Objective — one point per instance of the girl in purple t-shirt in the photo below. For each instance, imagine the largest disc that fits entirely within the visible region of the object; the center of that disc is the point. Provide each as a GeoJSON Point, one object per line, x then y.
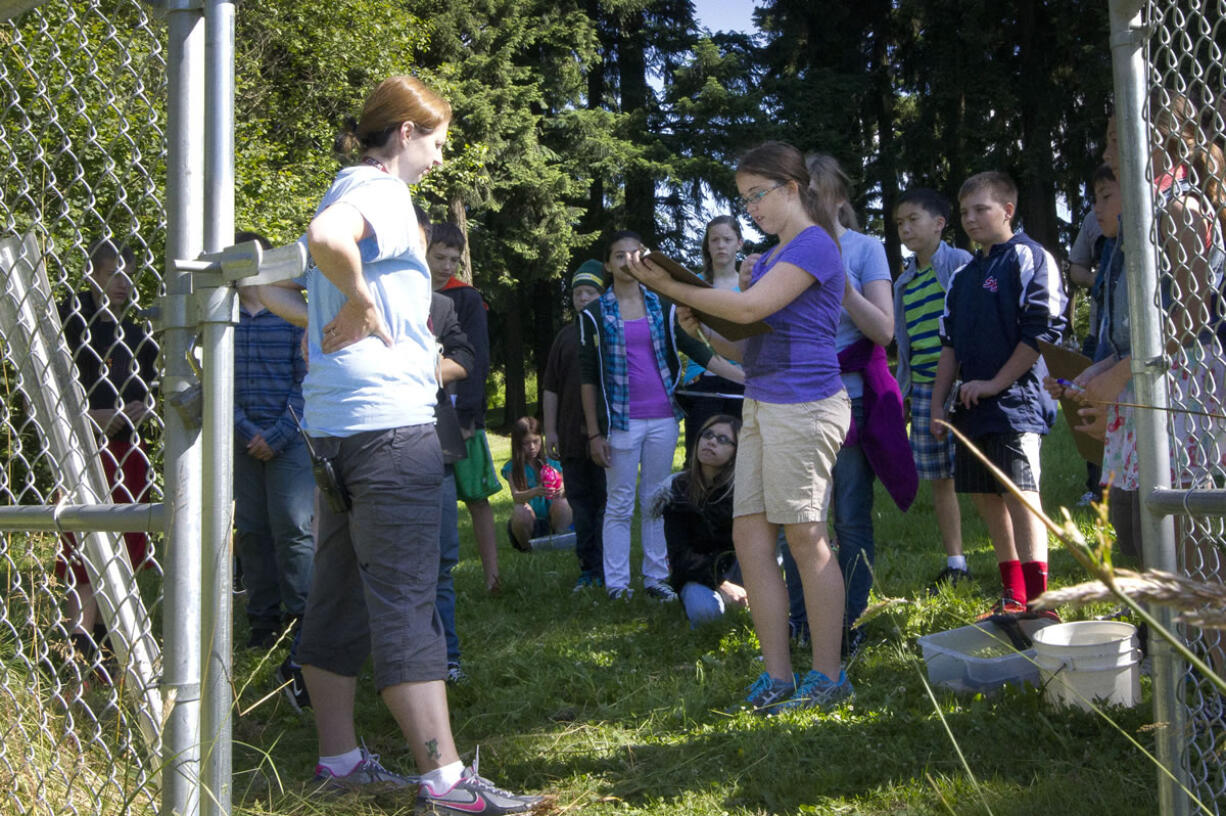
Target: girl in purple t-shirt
{"type": "Point", "coordinates": [796, 416]}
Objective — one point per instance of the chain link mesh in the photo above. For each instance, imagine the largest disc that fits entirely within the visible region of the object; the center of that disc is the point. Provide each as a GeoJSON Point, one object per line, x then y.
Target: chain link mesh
{"type": "Point", "coordinates": [82, 232]}
{"type": "Point", "coordinates": [1187, 133]}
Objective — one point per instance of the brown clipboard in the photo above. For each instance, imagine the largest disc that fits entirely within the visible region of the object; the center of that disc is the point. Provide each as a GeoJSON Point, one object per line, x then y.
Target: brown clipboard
{"type": "Point", "coordinates": [727, 328]}
{"type": "Point", "coordinates": [1065, 364]}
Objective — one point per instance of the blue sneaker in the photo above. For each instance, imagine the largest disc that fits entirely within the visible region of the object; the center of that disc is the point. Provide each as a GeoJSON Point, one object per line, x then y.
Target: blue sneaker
{"type": "Point", "coordinates": [588, 580]}
{"type": "Point", "coordinates": [766, 694]}
{"type": "Point", "coordinates": [816, 690]}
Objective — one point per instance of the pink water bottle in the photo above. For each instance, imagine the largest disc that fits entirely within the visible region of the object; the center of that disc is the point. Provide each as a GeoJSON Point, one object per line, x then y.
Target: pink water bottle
{"type": "Point", "coordinates": [551, 480]}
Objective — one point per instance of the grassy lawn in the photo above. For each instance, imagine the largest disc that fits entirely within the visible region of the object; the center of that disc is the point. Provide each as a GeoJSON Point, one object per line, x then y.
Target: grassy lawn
{"type": "Point", "coordinates": [616, 707]}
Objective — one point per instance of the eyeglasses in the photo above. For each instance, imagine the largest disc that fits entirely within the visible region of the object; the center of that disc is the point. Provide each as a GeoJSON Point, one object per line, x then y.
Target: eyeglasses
{"type": "Point", "coordinates": [753, 198]}
{"type": "Point", "coordinates": [709, 435]}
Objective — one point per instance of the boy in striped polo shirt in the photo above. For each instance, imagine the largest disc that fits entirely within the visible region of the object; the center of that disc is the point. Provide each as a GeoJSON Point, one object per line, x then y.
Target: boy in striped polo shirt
{"type": "Point", "coordinates": [919, 298]}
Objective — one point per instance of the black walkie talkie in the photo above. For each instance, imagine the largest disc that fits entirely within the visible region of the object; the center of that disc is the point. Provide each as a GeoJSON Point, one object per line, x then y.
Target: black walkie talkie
{"type": "Point", "coordinates": [326, 477]}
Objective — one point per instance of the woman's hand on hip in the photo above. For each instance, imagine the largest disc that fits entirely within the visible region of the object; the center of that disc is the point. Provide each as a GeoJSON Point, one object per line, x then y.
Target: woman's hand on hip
{"type": "Point", "coordinates": [355, 321]}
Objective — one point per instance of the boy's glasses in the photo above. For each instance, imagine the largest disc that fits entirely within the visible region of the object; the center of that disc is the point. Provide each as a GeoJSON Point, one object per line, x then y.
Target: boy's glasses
{"type": "Point", "coordinates": [722, 439]}
{"type": "Point", "coordinates": [753, 198]}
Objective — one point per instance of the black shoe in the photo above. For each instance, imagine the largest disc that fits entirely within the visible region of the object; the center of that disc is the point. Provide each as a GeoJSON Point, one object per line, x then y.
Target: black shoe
{"type": "Point", "coordinates": [293, 687]}
{"type": "Point", "coordinates": [798, 633]}
{"type": "Point", "coordinates": [950, 575]}
{"type": "Point", "coordinates": [262, 638]}
{"type": "Point", "coordinates": [853, 639]}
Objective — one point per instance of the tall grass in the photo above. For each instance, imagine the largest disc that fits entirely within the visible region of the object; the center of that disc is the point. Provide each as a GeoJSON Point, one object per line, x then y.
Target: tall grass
{"type": "Point", "coordinates": [617, 707]}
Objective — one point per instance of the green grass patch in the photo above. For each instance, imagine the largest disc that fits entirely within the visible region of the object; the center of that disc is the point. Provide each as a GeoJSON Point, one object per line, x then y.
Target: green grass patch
{"type": "Point", "coordinates": [617, 707]}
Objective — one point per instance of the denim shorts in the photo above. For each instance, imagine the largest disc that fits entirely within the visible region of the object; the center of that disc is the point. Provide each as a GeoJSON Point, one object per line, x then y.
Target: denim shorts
{"type": "Point", "coordinates": [376, 566]}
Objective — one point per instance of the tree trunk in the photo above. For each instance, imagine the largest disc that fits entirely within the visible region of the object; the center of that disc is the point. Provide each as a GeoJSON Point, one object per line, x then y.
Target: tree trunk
{"type": "Point", "coordinates": [545, 304]}
{"type": "Point", "coordinates": [512, 342]}
{"type": "Point", "coordinates": [884, 99]}
{"type": "Point", "coordinates": [459, 217]}
{"type": "Point", "coordinates": [635, 98]}
{"type": "Point", "coordinates": [594, 219]}
{"type": "Point", "coordinates": [1037, 187]}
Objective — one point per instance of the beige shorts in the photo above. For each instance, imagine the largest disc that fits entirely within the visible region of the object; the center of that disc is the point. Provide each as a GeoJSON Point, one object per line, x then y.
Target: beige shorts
{"type": "Point", "coordinates": [785, 456]}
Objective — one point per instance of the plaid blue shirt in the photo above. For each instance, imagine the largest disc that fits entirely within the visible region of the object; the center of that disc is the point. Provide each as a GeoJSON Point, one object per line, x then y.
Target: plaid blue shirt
{"type": "Point", "coordinates": [616, 369]}
{"type": "Point", "coordinates": [268, 372]}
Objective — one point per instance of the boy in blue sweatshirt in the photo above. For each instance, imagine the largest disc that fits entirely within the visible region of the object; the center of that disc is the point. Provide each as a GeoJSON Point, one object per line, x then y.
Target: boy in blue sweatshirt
{"type": "Point", "coordinates": [999, 306]}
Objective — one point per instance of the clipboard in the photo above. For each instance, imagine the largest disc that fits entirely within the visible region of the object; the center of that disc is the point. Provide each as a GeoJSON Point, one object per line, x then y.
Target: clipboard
{"type": "Point", "coordinates": [727, 328]}
{"type": "Point", "coordinates": [1066, 364]}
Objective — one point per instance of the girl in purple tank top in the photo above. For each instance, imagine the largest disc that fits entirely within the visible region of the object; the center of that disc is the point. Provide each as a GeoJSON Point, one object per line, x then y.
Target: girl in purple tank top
{"type": "Point", "coordinates": [629, 368]}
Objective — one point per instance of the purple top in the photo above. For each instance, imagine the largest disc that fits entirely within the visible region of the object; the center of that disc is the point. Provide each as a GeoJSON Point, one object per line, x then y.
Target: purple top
{"type": "Point", "coordinates": [796, 362]}
{"type": "Point", "coordinates": [648, 399]}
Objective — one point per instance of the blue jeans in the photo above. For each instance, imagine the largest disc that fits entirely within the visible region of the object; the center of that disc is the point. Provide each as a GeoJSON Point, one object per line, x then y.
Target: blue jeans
{"type": "Point", "coordinates": [853, 522]}
{"type": "Point", "coordinates": [702, 604]}
{"type": "Point", "coordinates": [798, 616]}
{"type": "Point", "coordinates": [448, 557]}
{"type": "Point", "coordinates": [274, 502]}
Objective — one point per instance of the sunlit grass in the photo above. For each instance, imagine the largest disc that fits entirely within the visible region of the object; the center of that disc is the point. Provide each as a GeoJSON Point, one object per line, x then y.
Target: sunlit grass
{"type": "Point", "coordinates": [617, 707]}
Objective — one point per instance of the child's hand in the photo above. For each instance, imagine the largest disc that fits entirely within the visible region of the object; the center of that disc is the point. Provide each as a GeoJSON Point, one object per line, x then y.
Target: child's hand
{"type": "Point", "coordinates": [975, 390]}
{"type": "Point", "coordinates": [647, 273]}
{"type": "Point", "coordinates": [937, 416]}
{"type": "Point", "coordinates": [745, 272]}
{"type": "Point", "coordinates": [1099, 389]}
{"type": "Point", "coordinates": [734, 594]}
{"type": "Point", "coordinates": [1093, 421]}
{"type": "Point", "coordinates": [1053, 387]}
{"type": "Point", "coordinates": [689, 322]}
{"type": "Point", "coordinates": [598, 449]}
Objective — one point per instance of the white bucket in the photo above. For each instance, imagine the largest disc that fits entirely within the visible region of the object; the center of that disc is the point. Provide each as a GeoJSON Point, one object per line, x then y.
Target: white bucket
{"type": "Point", "coordinates": [1089, 662]}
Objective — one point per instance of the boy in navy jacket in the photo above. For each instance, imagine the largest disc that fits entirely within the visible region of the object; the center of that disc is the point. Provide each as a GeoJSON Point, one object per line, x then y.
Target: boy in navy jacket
{"type": "Point", "coordinates": [999, 306]}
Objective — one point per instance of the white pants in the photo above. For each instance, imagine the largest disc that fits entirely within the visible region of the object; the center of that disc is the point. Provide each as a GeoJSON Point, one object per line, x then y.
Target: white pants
{"type": "Point", "coordinates": [648, 443]}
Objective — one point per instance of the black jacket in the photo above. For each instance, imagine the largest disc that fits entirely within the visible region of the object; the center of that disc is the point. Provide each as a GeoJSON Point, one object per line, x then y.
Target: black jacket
{"type": "Point", "coordinates": [699, 538]}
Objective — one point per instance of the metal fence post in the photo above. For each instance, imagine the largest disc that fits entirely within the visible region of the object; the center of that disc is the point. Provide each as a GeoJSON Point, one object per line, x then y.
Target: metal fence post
{"type": "Point", "coordinates": [184, 211]}
{"type": "Point", "coordinates": [218, 314]}
{"type": "Point", "coordinates": [1128, 41]}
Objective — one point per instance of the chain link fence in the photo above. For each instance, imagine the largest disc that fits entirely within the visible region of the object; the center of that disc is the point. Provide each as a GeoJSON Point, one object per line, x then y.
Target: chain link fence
{"type": "Point", "coordinates": [1187, 133]}
{"type": "Point", "coordinates": [1171, 114]}
{"type": "Point", "coordinates": [82, 235]}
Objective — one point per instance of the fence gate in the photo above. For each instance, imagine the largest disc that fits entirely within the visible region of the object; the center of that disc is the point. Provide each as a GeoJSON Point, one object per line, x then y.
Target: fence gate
{"type": "Point", "coordinates": [110, 700]}
{"type": "Point", "coordinates": [1170, 104]}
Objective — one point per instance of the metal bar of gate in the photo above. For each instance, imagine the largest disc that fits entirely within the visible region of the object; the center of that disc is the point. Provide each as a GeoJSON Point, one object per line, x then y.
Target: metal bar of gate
{"type": "Point", "coordinates": [218, 315]}
{"type": "Point", "coordinates": [83, 518]}
{"type": "Point", "coordinates": [184, 216]}
{"type": "Point", "coordinates": [1128, 39]}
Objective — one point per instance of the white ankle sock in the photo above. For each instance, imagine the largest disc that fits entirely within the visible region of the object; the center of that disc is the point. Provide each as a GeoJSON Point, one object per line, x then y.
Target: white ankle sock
{"type": "Point", "coordinates": [956, 561]}
{"type": "Point", "coordinates": [342, 764]}
{"type": "Point", "coordinates": [443, 779]}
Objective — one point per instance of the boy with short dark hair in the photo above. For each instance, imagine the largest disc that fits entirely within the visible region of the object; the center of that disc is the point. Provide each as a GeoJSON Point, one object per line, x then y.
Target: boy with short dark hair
{"type": "Point", "coordinates": [999, 306]}
{"type": "Point", "coordinates": [919, 299]}
{"type": "Point", "coordinates": [476, 479]}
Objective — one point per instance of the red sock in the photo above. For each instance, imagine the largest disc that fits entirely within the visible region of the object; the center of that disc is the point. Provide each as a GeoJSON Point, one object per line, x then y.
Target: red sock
{"type": "Point", "coordinates": [1012, 580]}
{"type": "Point", "coordinates": [1035, 573]}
